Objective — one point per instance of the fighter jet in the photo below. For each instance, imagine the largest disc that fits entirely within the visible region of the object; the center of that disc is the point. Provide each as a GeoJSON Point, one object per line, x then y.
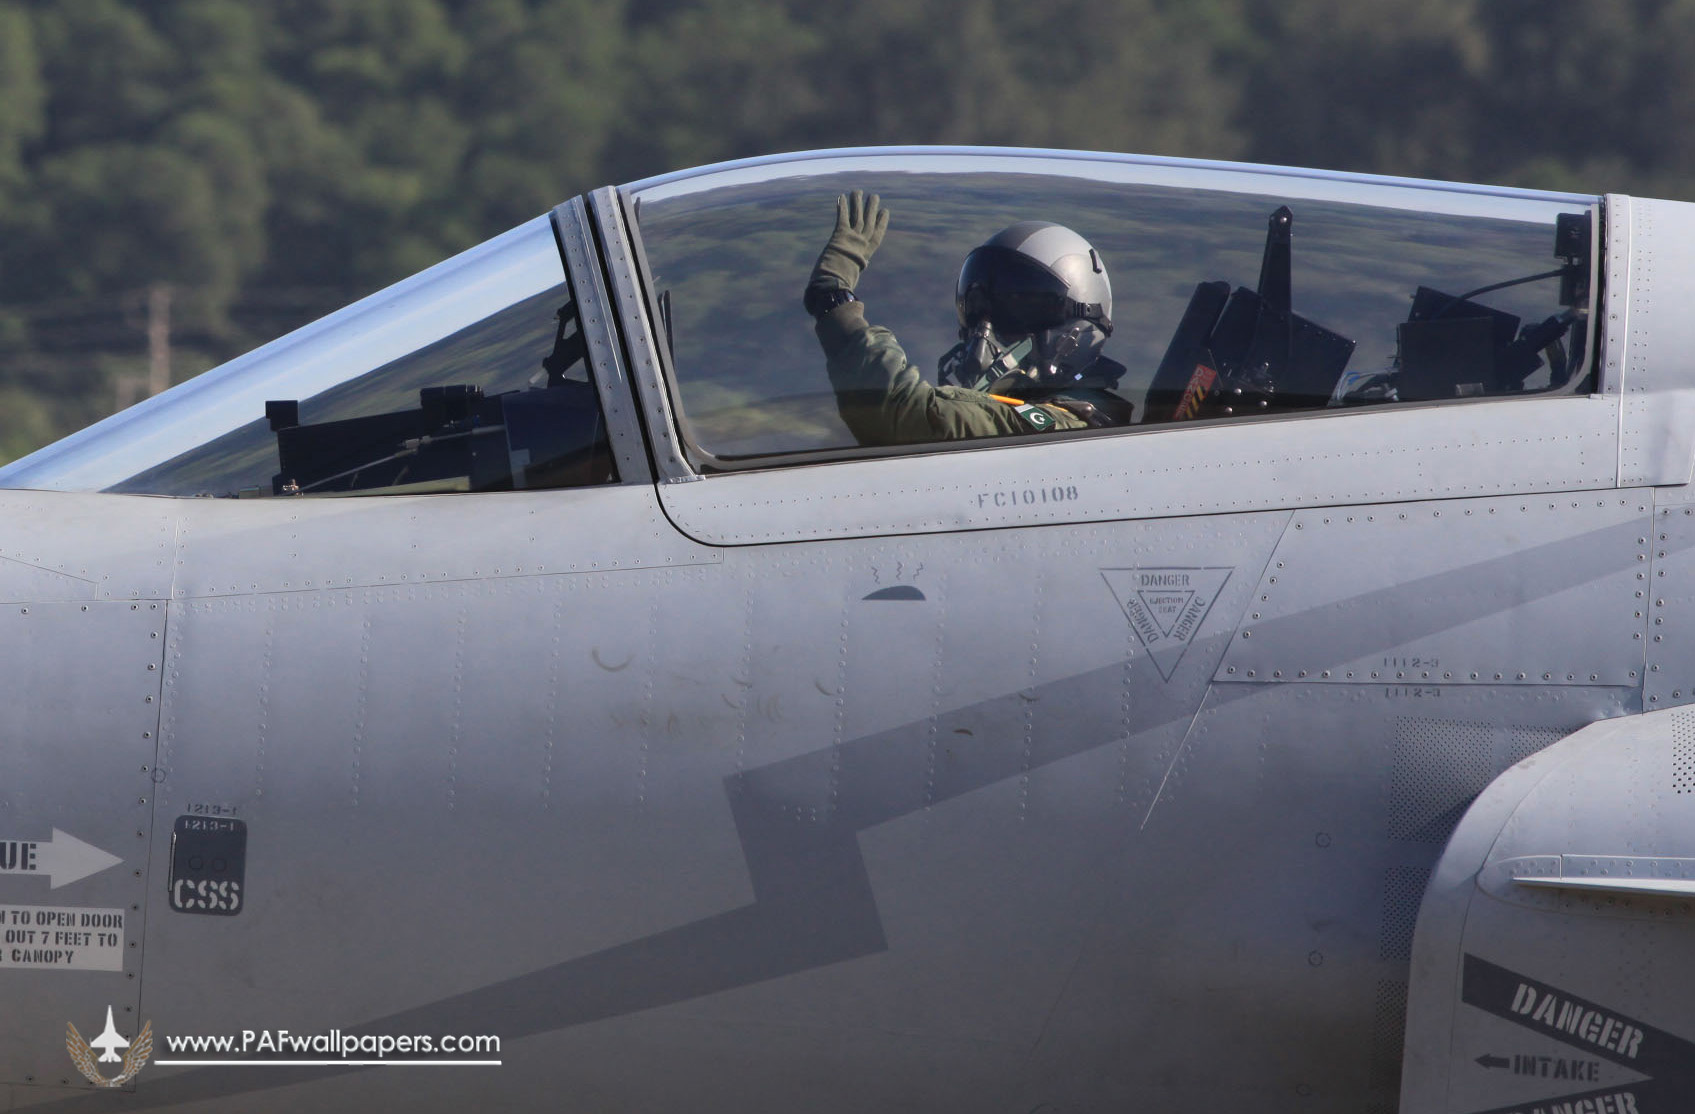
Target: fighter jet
{"type": "Point", "coordinates": [530, 663]}
{"type": "Point", "coordinates": [109, 1041]}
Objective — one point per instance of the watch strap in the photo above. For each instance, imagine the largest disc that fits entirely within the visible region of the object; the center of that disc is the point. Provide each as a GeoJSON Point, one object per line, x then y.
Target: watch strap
{"type": "Point", "coordinates": [820, 301]}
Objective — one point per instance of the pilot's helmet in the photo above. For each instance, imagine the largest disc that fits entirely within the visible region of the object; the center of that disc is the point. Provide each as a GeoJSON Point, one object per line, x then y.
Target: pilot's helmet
{"type": "Point", "coordinates": [1041, 281]}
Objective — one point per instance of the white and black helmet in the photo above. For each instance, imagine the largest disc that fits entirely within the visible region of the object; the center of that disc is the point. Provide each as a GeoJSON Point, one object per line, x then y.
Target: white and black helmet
{"type": "Point", "coordinates": [1039, 280]}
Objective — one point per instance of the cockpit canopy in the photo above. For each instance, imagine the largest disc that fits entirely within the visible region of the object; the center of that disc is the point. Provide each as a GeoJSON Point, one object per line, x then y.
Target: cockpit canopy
{"type": "Point", "coordinates": [1292, 290]}
{"type": "Point", "coordinates": [1238, 292]}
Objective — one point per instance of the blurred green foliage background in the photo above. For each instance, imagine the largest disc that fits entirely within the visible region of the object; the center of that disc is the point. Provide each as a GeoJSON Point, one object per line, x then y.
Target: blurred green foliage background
{"type": "Point", "coordinates": [221, 171]}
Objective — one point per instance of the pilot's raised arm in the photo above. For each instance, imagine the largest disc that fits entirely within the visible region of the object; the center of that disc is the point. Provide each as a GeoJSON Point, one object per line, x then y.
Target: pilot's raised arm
{"type": "Point", "coordinates": [1029, 358]}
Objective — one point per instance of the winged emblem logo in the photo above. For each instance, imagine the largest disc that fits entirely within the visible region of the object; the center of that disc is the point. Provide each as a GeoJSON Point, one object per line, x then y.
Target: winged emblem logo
{"type": "Point", "coordinates": [109, 1041]}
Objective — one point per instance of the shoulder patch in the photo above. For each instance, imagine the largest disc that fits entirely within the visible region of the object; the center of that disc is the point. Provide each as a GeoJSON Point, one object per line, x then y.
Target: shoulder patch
{"type": "Point", "coordinates": [1035, 417]}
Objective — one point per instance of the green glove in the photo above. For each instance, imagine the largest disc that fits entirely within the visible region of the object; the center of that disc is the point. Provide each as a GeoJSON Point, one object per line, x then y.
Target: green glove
{"type": "Point", "coordinates": [860, 224]}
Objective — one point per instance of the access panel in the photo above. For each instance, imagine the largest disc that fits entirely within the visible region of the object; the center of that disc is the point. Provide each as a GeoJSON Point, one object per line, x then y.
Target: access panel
{"type": "Point", "coordinates": [78, 717]}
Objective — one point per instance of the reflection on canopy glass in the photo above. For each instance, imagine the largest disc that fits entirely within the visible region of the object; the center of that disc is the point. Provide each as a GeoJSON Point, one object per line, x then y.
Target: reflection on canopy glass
{"type": "Point", "coordinates": [732, 261]}
{"type": "Point", "coordinates": [500, 357]}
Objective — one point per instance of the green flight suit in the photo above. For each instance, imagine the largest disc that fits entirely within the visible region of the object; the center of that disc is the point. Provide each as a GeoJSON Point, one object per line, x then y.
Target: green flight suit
{"type": "Point", "coordinates": [885, 400]}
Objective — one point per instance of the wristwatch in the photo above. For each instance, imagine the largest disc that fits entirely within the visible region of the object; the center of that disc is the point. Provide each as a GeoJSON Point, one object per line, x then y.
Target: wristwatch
{"type": "Point", "coordinates": [819, 302]}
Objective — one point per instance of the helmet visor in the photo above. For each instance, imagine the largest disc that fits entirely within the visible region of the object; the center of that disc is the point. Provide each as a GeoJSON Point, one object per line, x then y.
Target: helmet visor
{"type": "Point", "coordinates": [1015, 294]}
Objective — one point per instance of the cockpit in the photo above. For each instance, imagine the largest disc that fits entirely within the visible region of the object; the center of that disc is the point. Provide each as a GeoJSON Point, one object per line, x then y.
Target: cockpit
{"type": "Point", "coordinates": [1241, 294]}
{"type": "Point", "coordinates": [1246, 351]}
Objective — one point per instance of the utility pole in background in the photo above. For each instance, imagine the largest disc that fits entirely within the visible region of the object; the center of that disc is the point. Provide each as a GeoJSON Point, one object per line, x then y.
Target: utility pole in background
{"type": "Point", "coordinates": [158, 326]}
{"type": "Point", "coordinates": [158, 338]}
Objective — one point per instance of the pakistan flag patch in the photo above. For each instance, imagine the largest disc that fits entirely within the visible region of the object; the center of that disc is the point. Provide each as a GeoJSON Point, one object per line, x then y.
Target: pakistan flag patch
{"type": "Point", "coordinates": [1035, 417]}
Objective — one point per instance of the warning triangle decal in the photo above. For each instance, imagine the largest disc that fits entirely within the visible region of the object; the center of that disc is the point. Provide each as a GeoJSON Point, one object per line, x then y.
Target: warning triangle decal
{"type": "Point", "coordinates": [1166, 606]}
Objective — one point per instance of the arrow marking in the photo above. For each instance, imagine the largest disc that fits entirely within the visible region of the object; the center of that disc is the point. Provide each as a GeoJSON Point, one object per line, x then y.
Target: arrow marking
{"type": "Point", "coordinates": [63, 858]}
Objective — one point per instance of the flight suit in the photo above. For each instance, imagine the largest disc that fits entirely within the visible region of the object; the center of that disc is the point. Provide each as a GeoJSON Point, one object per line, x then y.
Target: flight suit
{"type": "Point", "coordinates": [885, 400]}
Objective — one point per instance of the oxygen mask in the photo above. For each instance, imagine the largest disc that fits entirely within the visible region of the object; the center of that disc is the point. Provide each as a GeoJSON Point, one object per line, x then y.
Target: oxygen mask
{"type": "Point", "coordinates": [1067, 354]}
{"type": "Point", "coordinates": [982, 357]}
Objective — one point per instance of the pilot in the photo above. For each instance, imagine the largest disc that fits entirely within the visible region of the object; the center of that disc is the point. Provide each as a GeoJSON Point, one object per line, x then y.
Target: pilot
{"type": "Point", "coordinates": [1034, 309]}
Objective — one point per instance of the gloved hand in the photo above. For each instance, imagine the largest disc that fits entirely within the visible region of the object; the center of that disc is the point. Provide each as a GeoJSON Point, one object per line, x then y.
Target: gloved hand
{"type": "Point", "coordinates": [860, 224]}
